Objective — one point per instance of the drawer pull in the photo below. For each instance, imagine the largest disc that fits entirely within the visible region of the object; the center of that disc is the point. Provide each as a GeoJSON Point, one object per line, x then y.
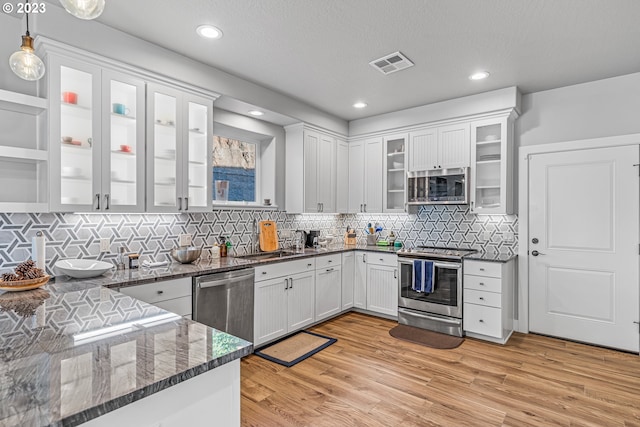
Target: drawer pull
{"type": "Point", "coordinates": [481, 283]}
{"type": "Point", "coordinates": [481, 321]}
{"type": "Point", "coordinates": [382, 259]}
{"type": "Point", "coordinates": [330, 261]}
{"type": "Point", "coordinates": [482, 269]}
{"type": "Point", "coordinates": [160, 292]}
{"type": "Point", "coordinates": [481, 298]}
{"type": "Point", "coordinates": [264, 272]}
{"type": "Point", "coordinates": [309, 265]}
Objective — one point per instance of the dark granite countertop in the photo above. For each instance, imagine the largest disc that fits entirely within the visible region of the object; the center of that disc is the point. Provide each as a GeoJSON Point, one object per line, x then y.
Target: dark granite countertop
{"type": "Point", "coordinates": [72, 351]}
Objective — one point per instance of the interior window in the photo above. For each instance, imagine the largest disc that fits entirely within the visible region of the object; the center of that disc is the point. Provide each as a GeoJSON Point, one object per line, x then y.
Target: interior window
{"type": "Point", "coordinates": [234, 170]}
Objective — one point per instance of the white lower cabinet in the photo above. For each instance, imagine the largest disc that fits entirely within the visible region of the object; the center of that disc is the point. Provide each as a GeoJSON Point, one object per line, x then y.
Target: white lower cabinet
{"type": "Point", "coordinates": [328, 286]}
{"type": "Point", "coordinates": [376, 282]}
{"type": "Point", "coordinates": [488, 300]}
{"type": "Point", "coordinates": [172, 295]}
{"type": "Point", "coordinates": [286, 303]}
{"type": "Point", "coordinates": [348, 279]}
{"type": "Point", "coordinates": [360, 281]}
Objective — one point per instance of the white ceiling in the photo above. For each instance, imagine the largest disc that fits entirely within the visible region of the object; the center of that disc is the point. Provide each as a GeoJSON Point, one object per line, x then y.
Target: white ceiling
{"type": "Point", "coordinates": [318, 51]}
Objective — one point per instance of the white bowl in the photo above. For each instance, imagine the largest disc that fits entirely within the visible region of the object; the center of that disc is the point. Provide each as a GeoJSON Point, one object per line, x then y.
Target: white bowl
{"type": "Point", "coordinates": [83, 268]}
{"type": "Point", "coordinates": [398, 165]}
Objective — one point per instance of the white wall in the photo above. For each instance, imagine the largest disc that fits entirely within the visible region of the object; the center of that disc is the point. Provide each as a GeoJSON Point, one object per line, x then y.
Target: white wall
{"type": "Point", "coordinates": [590, 110]}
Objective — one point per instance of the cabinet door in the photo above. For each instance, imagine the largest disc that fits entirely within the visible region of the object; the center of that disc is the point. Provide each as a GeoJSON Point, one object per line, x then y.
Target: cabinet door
{"type": "Point", "coordinates": [342, 176]}
{"type": "Point", "coordinates": [373, 173]}
{"type": "Point", "coordinates": [326, 174]}
{"type": "Point", "coordinates": [270, 315]}
{"type": "Point", "coordinates": [197, 155]}
{"type": "Point", "coordinates": [348, 279]}
{"type": "Point", "coordinates": [490, 186]}
{"type": "Point", "coordinates": [75, 136]}
{"type": "Point", "coordinates": [382, 289]}
{"type": "Point", "coordinates": [328, 292]}
{"type": "Point", "coordinates": [123, 143]}
{"type": "Point", "coordinates": [360, 281]}
{"type": "Point", "coordinates": [423, 150]}
{"type": "Point", "coordinates": [453, 146]}
{"type": "Point", "coordinates": [300, 300]}
{"type": "Point", "coordinates": [164, 149]}
{"type": "Point", "coordinates": [356, 177]}
{"type": "Point", "coordinates": [394, 174]}
{"type": "Point", "coordinates": [311, 144]}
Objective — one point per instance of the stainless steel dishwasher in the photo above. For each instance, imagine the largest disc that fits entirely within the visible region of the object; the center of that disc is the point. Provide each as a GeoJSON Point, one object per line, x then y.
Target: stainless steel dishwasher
{"type": "Point", "coordinates": [225, 301]}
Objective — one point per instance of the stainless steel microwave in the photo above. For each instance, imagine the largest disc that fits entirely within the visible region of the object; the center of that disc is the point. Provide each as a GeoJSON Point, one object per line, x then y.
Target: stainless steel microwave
{"type": "Point", "coordinates": [438, 187]}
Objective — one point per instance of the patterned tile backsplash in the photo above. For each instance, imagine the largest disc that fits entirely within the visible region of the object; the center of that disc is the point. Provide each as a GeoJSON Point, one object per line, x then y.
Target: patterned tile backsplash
{"type": "Point", "coordinates": [153, 235]}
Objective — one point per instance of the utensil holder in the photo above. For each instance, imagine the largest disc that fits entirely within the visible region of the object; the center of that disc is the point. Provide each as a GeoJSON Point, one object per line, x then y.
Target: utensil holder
{"type": "Point", "coordinates": [372, 239]}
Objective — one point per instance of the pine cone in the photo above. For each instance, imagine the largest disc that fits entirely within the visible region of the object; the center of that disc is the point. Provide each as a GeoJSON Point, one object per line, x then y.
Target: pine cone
{"type": "Point", "coordinates": [34, 273]}
{"type": "Point", "coordinates": [23, 268]}
{"type": "Point", "coordinates": [9, 277]}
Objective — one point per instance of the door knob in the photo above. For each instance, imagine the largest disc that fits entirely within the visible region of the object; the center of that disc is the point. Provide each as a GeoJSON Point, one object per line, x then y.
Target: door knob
{"type": "Point", "coordinates": [536, 253]}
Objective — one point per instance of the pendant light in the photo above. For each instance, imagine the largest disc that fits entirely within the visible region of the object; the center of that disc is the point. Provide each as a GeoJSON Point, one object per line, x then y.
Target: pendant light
{"type": "Point", "coordinates": [24, 63]}
{"type": "Point", "coordinates": [84, 9]}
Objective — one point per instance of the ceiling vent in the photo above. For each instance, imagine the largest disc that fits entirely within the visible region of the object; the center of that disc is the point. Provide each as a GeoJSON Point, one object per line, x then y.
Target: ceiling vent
{"type": "Point", "coordinates": [391, 63]}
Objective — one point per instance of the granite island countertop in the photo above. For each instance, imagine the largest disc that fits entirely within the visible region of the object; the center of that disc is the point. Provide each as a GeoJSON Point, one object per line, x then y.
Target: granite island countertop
{"type": "Point", "coordinates": [70, 352]}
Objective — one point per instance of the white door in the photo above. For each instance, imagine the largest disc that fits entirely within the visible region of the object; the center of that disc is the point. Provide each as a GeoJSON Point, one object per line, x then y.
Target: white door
{"type": "Point", "coordinates": [328, 292]}
{"type": "Point", "coordinates": [583, 211]}
{"type": "Point", "coordinates": [453, 146]}
{"type": "Point", "coordinates": [300, 300]}
{"type": "Point", "coordinates": [326, 173]}
{"type": "Point", "coordinates": [270, 314]}
{"type": "Point", "coordinates": [423, 150]}
{"type": "Point", "coordinates": [348, 278]}
{"type": "Point", "coordinates": [356, 177]}
{"type": "Point", "coordinates": [311, 144]}
{"type": "Point", "coordinates": [360, 281]}
{"type": "Point", "coordinates": [382, 289]}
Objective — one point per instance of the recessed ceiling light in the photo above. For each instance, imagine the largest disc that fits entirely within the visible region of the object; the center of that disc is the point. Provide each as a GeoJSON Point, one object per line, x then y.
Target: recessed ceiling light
{"type": "Point", "coordinates": [479, 75]}
{"type": "Point", "coordinates": [256, 113]}
{"type": "Point", "coordinates": [209, 32]}
{"type": "Point", "coordinates": [360, 105]}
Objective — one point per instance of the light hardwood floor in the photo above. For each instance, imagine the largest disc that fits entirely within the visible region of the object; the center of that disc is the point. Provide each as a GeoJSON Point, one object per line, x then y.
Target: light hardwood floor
{"type": "Point", "coordinates": [369, 378]}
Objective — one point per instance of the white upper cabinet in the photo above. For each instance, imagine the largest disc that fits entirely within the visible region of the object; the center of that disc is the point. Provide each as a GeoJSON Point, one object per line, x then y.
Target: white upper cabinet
{"type": "Point", "coordinates": [311, 163]}
{"type": "Point", "coordinates": [366, 176]}
{"type": "Point", "coordinates": [179, 151]}
{"type": "Point", "coordinates": [492, 172]}
{"type": "Point", "coordinates": [441, 147]}
{"type": "Point", "coordinates": [96, 138]}
{"type": "Point", "coordinates": [395, 174]}
{"type": "Point", "coordinates": [342, 176]}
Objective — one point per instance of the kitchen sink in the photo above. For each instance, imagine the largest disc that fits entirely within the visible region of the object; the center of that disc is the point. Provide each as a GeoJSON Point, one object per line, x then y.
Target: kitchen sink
{"type": "Point", "coordinates": [268, 255]}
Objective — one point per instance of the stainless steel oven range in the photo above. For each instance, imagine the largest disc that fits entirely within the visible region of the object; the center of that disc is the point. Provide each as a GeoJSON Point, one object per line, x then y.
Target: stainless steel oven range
{"type": "Point", "coordinates": [434, 301]}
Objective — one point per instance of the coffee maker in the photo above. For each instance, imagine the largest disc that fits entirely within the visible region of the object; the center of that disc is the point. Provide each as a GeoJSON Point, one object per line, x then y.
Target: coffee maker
{"type": "Point", "coordinates": [312, 238]}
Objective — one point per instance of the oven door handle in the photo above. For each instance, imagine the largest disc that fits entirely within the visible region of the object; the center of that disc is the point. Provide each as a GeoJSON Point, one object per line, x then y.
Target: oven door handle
{"type": "Point", "coordinates": [439, 264]}
{"type": "Point", "coordinates": [423, 316]}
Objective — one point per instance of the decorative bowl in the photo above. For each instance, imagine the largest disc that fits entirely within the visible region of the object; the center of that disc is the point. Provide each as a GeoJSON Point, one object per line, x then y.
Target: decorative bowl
{"type": "Point", "coordinates": [83, 268]}
{"type": "Point", "coordinates": [24, 285]}
{"type": "Point", "coordinates": [186, 254]}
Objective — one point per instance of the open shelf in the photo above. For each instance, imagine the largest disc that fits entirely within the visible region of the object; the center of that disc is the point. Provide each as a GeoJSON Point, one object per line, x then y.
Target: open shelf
{"type": "Point", "coordinates": [131, 119]}
{"type": "Point", "coordinates": [24, 153]}
{"type": "Point", "coordinates": [397, 153]}
{"type": "Point", "coordinates": [21, 103]}
{"type": "Point", "coordinates": [493, 141]}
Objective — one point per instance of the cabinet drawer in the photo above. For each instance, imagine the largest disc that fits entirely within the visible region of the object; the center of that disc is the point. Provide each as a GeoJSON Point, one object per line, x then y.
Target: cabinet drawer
{"type": "Point", "coordinates": [328, 261]}
{"type": "Point", "coordinates": [160, 291]}
{"type": "Point", "coordinates": [482, 320]}
{"type": "Point", "coordinates": [382, 259]}
{"type": "Point", "coordinates": [181, 306]}
{"type": "Point", "coordinates": [481, 268]}
{"type": "Point", "coordinates": [490, 284]}
{"type": "Point", "coordinates": [280, 269]}
{"type": "Point", "coordinates": [490, 299]}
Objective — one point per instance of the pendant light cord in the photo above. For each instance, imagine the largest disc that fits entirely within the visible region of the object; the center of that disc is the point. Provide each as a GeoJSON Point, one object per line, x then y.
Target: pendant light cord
{"type": "Point", "coordinates": [27, 8]}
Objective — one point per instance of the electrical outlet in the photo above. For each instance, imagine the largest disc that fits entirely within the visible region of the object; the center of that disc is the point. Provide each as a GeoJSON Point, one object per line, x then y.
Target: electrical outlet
{"type": "Point", "coordinates": [509, 237]}
{"type": "Point", "coordinates": [184, 239]}
{"type": "Point", "coordinates": [105, 244]}
{"type": "Point", "coordinates": [486, 236]}
{"type": "Point", "coordinates": [285, 233]}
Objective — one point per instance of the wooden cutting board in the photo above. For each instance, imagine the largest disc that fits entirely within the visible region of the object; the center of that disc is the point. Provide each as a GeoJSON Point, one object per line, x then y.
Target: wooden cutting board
{"type": "Point", "coordinates": [268, 236]}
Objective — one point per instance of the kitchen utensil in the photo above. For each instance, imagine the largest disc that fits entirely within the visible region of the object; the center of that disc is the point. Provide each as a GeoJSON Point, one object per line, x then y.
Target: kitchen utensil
{"type": "Point", "coordinates": [372, 239]}
{"type": "Point", "coordinates": [24, 285]}
{"type": "Point", "coordinates": [70, 97]}
{"type": "Point", "coordinates": [83, 268]}
{"type": "Point", "coordinates": [311, 236]}
{"type": "Point", "coordinates": [186, 254]}
{"type": "Point", "coordinates": [268, 236]}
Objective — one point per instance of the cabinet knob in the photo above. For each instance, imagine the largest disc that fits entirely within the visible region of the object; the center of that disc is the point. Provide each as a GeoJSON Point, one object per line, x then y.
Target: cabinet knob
{"type": "Point", "coordinates": [160, 292]}
{"type": "Point", "coordinates": [481, 298]}
{"type": "Point", "coordinates": [481, 284]}
{"type": "Point", "coordinates": [439, 167]}
{"type": "Point", "coordinates": [482, 269]}
{"type": "Point", "coordinates": [309, 265]}
{"type": "Point", "coordinates": [264, 272]}
{"type": "Point", "coordinates": [481, 321]}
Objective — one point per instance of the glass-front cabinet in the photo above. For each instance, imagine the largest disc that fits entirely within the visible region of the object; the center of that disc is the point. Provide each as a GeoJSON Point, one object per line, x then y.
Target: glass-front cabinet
{"type": "Point", "coordinates": [492, 171]}
{"type": "Point", "coordinates": [179, 171]}
{"type": "Point", "coordinates": [395, 173]}
{"type": "Point", "coordinates": [96, 139]}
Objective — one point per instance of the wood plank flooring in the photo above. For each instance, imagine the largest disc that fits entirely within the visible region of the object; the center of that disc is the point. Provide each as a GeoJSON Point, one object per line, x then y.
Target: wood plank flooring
{"type": "Point", "coordinates": [369, 378]}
